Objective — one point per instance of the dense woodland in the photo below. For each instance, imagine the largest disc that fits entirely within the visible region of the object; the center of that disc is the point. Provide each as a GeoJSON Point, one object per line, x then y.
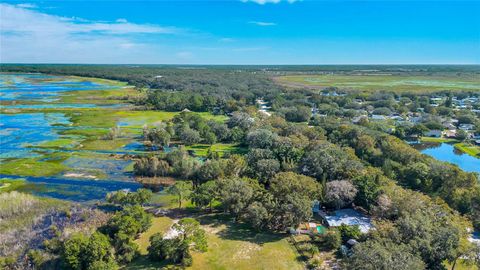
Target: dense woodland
{"type": "Point", "coordinates": [421, 207]}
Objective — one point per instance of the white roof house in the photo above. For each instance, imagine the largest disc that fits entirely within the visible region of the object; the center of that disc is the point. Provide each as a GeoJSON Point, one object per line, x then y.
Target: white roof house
{"type": "Point", "coordinates": [466, 126]}
{"type": "Point", "coordinates": [349, 217]}
{"type": "Point", "coordinates": [378, 117]}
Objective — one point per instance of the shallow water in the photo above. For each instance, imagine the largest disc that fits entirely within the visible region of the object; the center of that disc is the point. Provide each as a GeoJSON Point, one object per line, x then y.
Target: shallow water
{"type": "Point", "coordinates": [71, 189]}
{"type": "Point", "coordinates": [17, 131]}
{"type": "Point", "coordinates": [40, 87]}
{"type": "Point", "coordinates": [60, 106]}
{"type": "Point", "coordinates": [446, 152]}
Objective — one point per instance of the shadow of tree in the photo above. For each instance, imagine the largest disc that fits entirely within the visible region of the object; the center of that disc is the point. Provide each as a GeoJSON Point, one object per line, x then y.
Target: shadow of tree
{"type": "Point", "coordinates": [143, 263]}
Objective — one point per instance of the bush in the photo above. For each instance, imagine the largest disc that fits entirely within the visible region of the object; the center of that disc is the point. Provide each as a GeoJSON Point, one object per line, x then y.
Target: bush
{"type": "Point", "coordinates": [331, 240]}
{"type": "Point", "coordinates": [94, 252]}
{"type": "Point", "coordinates": [349, 232]}
{"type": "Point", "coordinates": [121, 197]}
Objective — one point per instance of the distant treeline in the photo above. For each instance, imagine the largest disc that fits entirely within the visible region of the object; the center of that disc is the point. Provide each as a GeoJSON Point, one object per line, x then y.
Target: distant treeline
{"type": "Point", "coordinates": [212, 89]}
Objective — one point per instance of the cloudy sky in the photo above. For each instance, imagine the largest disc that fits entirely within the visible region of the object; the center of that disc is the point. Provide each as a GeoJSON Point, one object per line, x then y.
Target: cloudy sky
{"type": "Point", "coordinates": [240, 32]}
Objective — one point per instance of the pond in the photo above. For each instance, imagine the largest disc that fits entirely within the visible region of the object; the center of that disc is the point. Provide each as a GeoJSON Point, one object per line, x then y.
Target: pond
{"type": "Point", "coordinates": [446, 152]}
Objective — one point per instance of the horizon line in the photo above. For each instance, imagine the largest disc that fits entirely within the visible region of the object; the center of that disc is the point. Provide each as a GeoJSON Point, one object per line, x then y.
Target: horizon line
{"type": "Point", "coordinates": [179, 64]}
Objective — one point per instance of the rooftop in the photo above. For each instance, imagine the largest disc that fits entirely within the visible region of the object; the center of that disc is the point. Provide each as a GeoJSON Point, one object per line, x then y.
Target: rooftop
{"type": "Point", "coordinates": [349, 217]}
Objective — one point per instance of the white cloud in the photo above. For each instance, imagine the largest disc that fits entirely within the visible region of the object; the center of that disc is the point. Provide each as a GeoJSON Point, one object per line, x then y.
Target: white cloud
{"type": "Point", "coordinates": [26, 5]}
{"type": "Point", "coordinates": [28, 35]}
{"type": "Point", "coordinates": [263, 23]}
{"type": "Point", "coordinates": [121, 20]}
{"type": "Point", "coordinates": [21, 20]}
{"type": "Point", "coordinates": [263, 2]}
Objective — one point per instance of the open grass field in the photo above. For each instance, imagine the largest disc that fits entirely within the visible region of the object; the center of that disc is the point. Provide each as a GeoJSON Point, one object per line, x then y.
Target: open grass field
{"type": "Point", "coordinates": [438, 140]}
{"type": "Point", "coordinates": [159, 224]}
{"type": "Point", "coordinates": [221, 148]}
{"type": "Point", "coordinates": [230, 246]}
{"type": "Point", "coordinates": [382, 82]}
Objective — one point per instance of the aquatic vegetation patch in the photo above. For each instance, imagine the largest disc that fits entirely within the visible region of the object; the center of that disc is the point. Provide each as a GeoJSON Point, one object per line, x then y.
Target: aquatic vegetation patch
{"type": "Point", "coordinates": [60, 143]}
{"type": "Point", "coordinates": [106, 168]}
{"type": "Point", "coordinates": [109, 96]}
{"type": "Point", "coordinates": [472, 150]}
{"type": "Point", "coordinates": [85, 132]}
{"type": "Point", "coordinates": [31, 167]}
{"type": "Point", "coordinates": [104, 144]}
{"type": "Point", "coordinates": [8, 184]}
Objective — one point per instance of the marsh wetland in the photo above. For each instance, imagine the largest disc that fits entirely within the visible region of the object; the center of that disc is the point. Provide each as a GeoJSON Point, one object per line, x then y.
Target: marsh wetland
{"type": "Point", "coordinates": [52, 132]}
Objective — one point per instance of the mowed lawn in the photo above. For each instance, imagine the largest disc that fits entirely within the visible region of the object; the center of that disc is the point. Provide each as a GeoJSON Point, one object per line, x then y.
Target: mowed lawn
{"type": "Point", "coordinates": [230, 246]}
{"type": "Point", "coordinates": [383, 82]}
{"type": "Point", "coordinates": [221, 148]}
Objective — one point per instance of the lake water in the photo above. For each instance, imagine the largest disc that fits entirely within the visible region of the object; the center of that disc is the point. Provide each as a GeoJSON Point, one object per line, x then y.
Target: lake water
{"type": "Point", "coordinates": [446, 152]}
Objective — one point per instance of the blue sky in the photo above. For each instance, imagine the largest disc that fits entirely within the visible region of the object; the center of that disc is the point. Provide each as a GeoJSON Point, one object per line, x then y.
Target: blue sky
{"type": "Point", "coordinates": [241, 32]}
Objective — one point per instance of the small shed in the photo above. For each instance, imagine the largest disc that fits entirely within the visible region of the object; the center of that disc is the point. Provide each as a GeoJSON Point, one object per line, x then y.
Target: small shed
{"type": "Point", "coordinates": [349, 217]}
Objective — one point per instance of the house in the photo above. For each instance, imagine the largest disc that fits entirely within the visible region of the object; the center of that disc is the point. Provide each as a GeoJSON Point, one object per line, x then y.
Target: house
{"type": "Point", "coordinates": [378, 117]}
{"type": "Point", "coordinates": [466, 126]}
{"type": "Point", "coordinates": [349, 217]}
{"type": "Point", "coordinates": [415, 119]}
{"type": "Point", "coordinates": [433, 133]}
{"type": "Point", "coordinates": [452, 133]}
{"type": "Point", "coordinates": [396, 118]}
{"type": "Point", "coordinates": [448, 125]}
{"type": "Point", "coordinates": [477, 142]}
